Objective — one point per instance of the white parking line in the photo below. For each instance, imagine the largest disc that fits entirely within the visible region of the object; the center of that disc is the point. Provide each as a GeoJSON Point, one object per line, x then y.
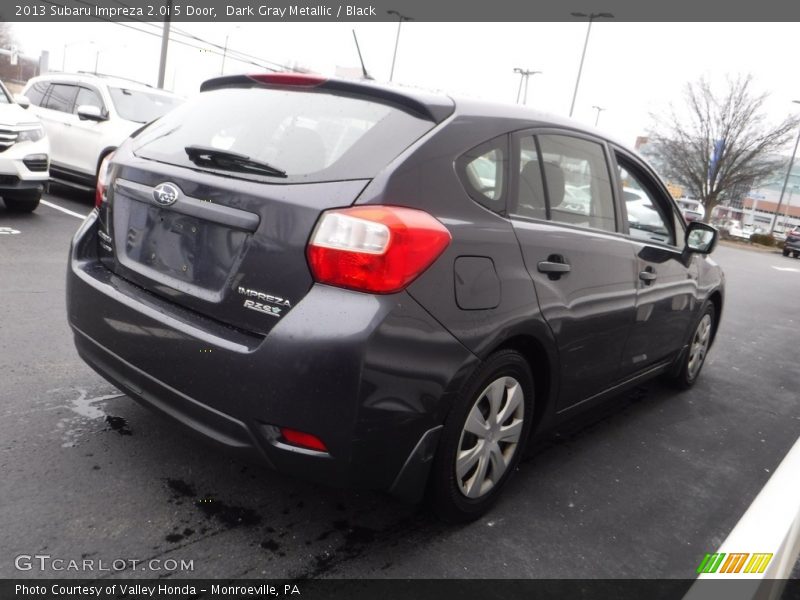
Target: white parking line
{"type": "Point", "coordinates": [64, 210]}
{"type": "Point", "coordinates": [790, 269]}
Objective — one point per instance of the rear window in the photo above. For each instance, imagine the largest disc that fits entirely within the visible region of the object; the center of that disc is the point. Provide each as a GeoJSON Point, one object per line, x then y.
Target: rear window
{"type": "Point", "coordinates": [311, 135]}
{"type": "Point", "coordinates": [139, 106]}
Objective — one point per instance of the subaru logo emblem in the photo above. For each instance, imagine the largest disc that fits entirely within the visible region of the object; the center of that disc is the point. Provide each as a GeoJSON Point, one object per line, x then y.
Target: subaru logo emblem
{"type": "Point", "coordinates": [166, 194]}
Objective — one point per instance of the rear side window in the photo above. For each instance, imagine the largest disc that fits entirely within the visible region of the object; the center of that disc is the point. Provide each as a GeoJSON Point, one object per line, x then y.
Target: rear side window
{"type": "Point", "coordinates": [311, 135]}
{"type": "Point", "coordinates": [36, 92]}
{"type": "Point", "coordinates": [483, 171]}
{"type": "Point", "coordinates": [61, 97]}
{"type": "Point", "coordinates": [578, 182]}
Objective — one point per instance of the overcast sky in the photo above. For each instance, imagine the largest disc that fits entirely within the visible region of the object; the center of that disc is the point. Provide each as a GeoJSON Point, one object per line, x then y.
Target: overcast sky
{"type": "Point", "coordinates": [631, 69]}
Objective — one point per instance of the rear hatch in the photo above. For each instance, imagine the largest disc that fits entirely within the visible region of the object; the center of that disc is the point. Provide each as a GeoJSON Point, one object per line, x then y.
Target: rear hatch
{"type": "Point", "coordinates": [212, 206]}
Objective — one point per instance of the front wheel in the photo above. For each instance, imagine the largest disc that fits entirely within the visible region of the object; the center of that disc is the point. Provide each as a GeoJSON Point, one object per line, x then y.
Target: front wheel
{"type": "Point", "coordinates": [786, 252]}
{"type": "Point", "coordinates": [695, 357]}
{"type": "Point", "coordinates": [483, 438]}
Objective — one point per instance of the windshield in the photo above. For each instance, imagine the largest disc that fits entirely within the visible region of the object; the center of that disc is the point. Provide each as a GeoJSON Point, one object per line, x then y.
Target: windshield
{"type": "Point", "coordinates": [308, 135]}
{"type": "Point", "coordinates": [141, 107]}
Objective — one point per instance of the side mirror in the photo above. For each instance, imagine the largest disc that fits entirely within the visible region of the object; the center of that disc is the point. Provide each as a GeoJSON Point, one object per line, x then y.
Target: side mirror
{"type": "Point", "coordinates": [22, 100]}
{"type": "Point", "coordinates": [88, 112]}
{"type": "Point", "coordinates": [700, 238]}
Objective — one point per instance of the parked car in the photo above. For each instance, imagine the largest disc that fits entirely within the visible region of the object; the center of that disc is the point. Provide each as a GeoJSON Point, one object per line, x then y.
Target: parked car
{"type": "Point", "coordinates": [792, 243]}
{"type": "Point", "coordinates": [24, 155]}
{"type": "Point", "coordinates": [735, 229]}
{"type": "Point", "coordinates": [87, 116]}
{"type": "Point", "coordinates": [327, 273]}
{"type": "Point", "coordinates": [692, 210]}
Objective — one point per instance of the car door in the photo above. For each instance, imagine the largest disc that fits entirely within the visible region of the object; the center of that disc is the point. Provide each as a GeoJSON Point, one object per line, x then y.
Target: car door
{"type": "Point", "coordinates": [667, 292]}
{"type": "Point", "coordinates": [87, 135]}
{"type": "Point", "coordinates": [56, 115]}
{"type": "Point", "coordinates": [563, 212]}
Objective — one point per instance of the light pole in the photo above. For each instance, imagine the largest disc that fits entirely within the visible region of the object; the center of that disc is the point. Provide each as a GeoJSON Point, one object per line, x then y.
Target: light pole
{"type": "Point", "coordinates": [400, 19]}
{"type": "Point", "coordinates": [592, 17]}
{"type": "Point", "coordinates": [225, 50]}
{"type": "Point", "coordinates": [599, 109]}
{"type": "Point", "coordinates": [64, 54]}
{"type": "Point", "coordinates": [785, 181]}
{"type": "Point", "coordinates": [524, 74]}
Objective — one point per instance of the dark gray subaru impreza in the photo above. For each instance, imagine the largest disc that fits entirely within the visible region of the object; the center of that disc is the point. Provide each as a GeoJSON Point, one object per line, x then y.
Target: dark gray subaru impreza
{"type": "Point", "coordinates": [374, 286]}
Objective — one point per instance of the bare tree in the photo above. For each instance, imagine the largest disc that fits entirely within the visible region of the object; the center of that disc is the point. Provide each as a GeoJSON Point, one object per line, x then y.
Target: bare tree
{"type": "Point", "coordinates": [719, 143]}
{"type": "Point", "coordinates": [6, 35]}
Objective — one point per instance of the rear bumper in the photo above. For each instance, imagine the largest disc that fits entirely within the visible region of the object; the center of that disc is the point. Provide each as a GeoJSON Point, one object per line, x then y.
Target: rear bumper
{"type": "Point", "coordinates": [372, 376]}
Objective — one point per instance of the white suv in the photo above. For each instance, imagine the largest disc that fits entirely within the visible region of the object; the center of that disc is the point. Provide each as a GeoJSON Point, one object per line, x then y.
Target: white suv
{"type": "Point", "coordinates": [87, 116]}
{"type": "Point", "coordinates": [23, 155]}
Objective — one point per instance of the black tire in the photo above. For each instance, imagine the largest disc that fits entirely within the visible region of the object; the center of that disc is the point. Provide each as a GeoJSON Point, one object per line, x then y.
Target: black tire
{"type": "Point", "coordinates": [504, 374]}
{"type": "Point", "coordinates": [689, 369]}
{"type": "Point", "coordinates": [795, 254]}
{"type": "Point", "coordinates": [785, 252]}
{"type": "Point", "coordinates": [26, 203]}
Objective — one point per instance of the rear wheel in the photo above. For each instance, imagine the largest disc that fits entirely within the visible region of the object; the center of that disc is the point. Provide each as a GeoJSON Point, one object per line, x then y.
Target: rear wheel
{"type": "Point", "coordinates": [22, 203]}
{"type": "Point", "coordinates": [786, 252]}
{"type": "Point", "coordinates": [795, 254]}
{"type": "Point", "coordinates": [695, 357]}
{"type": "Point", "coordinates": [483, 438]}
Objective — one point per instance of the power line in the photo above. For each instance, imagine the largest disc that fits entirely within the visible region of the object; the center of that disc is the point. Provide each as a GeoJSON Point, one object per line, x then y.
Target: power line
{"type": "Point", "coordinates": [177, 41]}
{"type": "Point", "coordinates": [248, 58]}
{"type": "Point", "coordinates": [205, 41]}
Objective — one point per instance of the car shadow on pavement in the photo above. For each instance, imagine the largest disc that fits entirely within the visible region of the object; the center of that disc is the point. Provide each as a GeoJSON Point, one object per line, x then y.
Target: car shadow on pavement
{"type": "Point", "coordinates": [280, 523]}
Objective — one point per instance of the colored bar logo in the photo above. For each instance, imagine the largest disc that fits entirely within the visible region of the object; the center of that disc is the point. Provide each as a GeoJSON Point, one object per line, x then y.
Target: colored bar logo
{"type": "Point", "coordinates": [734, 562]}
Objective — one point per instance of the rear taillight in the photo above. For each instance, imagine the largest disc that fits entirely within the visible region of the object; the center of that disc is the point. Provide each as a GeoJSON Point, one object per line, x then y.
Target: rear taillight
{"type": "Point", "coordinates": [291, 79]}
{"type": "Point", "coordinates": [303, 439]}
{"type": "Point", "coordinates": [379, 249]}
{"type": "Point", "coordinates": [102, 180]}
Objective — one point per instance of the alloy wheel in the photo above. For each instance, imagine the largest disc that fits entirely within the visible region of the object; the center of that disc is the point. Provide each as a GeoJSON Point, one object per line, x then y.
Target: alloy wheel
{"type": "Point", "coordinates": [490, 437]}
{"type": "Point", "coordinates": [699, 347]}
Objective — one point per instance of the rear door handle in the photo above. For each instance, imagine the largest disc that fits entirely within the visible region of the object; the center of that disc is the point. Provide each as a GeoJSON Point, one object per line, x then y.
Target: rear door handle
{"type": "Point", "coordinates": [555, 266]}
{"type": "Point", "coordinates": [547, 266]}
{"type": "Point", "coordinates": [648, 275]}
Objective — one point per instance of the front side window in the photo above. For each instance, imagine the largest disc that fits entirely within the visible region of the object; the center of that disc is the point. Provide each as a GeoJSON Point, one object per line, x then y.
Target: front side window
{"type": "Point", "coordinates": [577, 181]}
{"type": "Point", "coordinates": [87, 97]}
{"type": "Point", "coordinates": [647, 219]}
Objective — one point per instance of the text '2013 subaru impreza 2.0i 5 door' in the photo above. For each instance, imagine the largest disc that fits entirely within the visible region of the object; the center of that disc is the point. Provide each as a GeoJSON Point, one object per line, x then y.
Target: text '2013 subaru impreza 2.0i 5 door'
{"type": "Point", "coordinates": [377, 287]}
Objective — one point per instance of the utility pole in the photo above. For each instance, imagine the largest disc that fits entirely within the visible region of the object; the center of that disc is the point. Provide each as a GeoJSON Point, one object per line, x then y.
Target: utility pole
{"type": "Point", "coordinates": [524, 74]}
{"type": "Point", "coordinates": [162, 65]}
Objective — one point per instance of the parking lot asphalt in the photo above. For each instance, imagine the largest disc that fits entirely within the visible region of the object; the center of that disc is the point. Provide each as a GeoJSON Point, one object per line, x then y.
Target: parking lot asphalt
{"type": "Point", "coordinates": [643, 487]}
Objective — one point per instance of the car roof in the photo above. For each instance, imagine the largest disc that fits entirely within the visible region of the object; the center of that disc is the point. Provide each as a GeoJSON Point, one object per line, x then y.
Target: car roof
{"type": "Point", "coordinates": [100, 79]}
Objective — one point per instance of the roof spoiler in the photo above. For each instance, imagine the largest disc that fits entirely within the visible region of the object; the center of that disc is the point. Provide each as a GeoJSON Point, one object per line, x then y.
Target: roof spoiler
{"type": "Point", "coordinates": [430, 107]}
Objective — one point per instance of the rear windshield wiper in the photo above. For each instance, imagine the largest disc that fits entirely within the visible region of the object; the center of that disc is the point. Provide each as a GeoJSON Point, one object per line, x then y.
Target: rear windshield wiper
{"type": "Point", "coordinates": [204, 156]}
